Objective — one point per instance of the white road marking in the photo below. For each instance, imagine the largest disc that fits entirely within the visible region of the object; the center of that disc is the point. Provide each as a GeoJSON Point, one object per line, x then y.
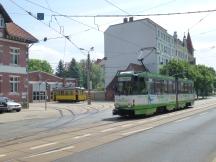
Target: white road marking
{"type": "Point", "coordinates": [50, 152]}
{"type": "Point", "coordinates": [126, 125]}
{"type": "Point", "coordinates": [203, 113]}
{"type": "Point", "coordinates": [41, 146]}
{"type": "Point", "coordinates": [136, 131]}
{"type": "Point", "coordinates": [180, 120]}
{"type": "Point", "coordinates": [83, 136]}
{"type": "Point", "coordinates": [107, 130]}
{"type": "Point", "coordinates": [2, 155]}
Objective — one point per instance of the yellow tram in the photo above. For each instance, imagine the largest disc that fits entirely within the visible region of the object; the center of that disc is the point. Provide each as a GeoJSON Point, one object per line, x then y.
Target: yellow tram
{"type": "Point", "coordinates": [69, 94]}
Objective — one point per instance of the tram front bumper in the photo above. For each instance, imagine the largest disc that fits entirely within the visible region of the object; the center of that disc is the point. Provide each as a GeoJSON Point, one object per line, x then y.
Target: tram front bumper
{"type": "Point", "coordinates": [123, 112]}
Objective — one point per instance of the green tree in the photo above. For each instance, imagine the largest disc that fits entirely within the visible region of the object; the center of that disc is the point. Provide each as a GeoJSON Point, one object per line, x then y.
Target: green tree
{"type": "Point", "coordinates": [97, 77]}
{"type": "Point", "coordinates": [60, 71]}
{"type": "Point", "coordinates": [176, 68]}
{"type": "Point", "coordinates": [73, 70]}
{"type": "Point", "coordinates": [83, 73]}
{"type": "Point", "coordinates": [39, 65]}
{"type": "Point", "coordinates": [202, 76]}
{"type": "Point", "coordinates": [205, 80]}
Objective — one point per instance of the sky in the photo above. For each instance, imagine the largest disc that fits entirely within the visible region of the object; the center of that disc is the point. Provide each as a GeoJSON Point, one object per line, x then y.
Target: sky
{"type": "Point", "coordinates": [89, 32]}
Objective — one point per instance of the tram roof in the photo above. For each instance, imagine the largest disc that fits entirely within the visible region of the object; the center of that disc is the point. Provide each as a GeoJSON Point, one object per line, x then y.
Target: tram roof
{"type": "Point", "coordinates": [150, 75]}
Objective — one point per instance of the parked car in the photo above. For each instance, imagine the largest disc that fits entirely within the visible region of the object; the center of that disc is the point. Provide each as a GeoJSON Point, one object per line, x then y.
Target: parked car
{"type": "Point", "coordinates": [7, 104]}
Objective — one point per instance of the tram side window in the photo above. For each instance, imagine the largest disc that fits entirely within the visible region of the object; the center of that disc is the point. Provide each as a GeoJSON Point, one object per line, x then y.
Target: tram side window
{"type": "Point", "coordinates": [135, 85]}
{"type": "Point", "coordinates": [142, 88]}
{"type": "Point", "coordinates": [159, 86]}
{"type": "Point", "coordinates": [166, 83]}
{"type": "Point", "coordinates": [185, 86]}
{"type": "Point", "coordinates": [182, 88]}
{"type": "Point", "coordinates": [151, 86]}
{"type": "Point", "coordinates": [171, 87]}
{"type": "Point", "coordinates": [120, 88]}
{"type": "Point", "coordinates": [190, 88]}
{"type": "Point", "coordinates": [62, 93]}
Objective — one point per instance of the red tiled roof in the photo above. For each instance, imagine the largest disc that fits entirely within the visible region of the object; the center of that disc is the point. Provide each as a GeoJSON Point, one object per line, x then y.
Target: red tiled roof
{"type": "Point", "coordinates": [15, 31]}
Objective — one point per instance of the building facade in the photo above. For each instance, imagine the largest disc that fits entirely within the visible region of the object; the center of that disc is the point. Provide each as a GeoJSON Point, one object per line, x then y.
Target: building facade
{"type": "Point", "coordinates": [142, 42]}
{"type": "Point", "coordinates": [41, 84]}
{"type": "Point", "coordinates": [14, 47]}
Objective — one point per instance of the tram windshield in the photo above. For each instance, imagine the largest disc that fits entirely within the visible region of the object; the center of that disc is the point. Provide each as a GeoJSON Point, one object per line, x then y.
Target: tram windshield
{"type": "Point", "coordinates": [131, 85]}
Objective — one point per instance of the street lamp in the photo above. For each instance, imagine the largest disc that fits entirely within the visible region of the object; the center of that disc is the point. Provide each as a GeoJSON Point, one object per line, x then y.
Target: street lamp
{"type": "Point", "coordinates": [88, 72]}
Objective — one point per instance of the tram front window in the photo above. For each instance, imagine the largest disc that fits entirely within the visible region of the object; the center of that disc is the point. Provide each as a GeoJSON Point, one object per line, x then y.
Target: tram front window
{"type": "Point", "coordinates": [128, 88]}
{"type": "Point", "coordinates": [124, 88]}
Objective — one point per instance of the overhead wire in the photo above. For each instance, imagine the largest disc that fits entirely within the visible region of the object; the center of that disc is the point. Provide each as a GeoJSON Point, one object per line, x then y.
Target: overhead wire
{"type": "Point", "coordinates": [128, 15]}
{"type": "Point", "coordinates": [67, 37]}
{"type": "Point", "coordinates": [112, 4]}
{"type": "Point", "coordinates": [68, 16]}
{"type": "Point", "coordinates": [157, 6]}
{"type": "Point", "coordinates": [198, 22]}
{"type": "Point", "coordinates": [141, 15]}
{"type": "Point", "coordinates": [79, 22]}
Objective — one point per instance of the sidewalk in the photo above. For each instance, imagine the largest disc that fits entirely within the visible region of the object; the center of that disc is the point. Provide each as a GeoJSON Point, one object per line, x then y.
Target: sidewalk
{"type": "Point", "coordinates": [54, 110]}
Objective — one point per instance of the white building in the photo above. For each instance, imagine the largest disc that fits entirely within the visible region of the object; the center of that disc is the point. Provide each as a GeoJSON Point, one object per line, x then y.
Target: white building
{"type": "Point", "coordinates": [145, 40]}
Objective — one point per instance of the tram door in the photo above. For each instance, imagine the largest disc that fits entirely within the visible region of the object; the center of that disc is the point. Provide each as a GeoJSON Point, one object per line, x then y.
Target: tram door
{"type": "Point", "coordinates": [77, 95]}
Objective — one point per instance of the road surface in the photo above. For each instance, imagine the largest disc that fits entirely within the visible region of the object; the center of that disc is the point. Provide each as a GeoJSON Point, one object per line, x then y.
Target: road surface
{"type": "Point", "coordinates": [181, 134]}
{"type": "Point", "coordinates": [191, 139]}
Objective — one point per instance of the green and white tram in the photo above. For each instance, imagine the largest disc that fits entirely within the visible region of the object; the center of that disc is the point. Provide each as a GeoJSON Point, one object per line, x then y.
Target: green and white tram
{"type": "Point", "coordinates": [147, 93]}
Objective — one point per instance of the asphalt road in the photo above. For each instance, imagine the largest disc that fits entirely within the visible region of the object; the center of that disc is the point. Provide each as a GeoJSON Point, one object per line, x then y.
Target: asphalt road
{"type": "Point", "coordinates": [25, 128]}
{"type": "Point", "coordinates": [191, 139]}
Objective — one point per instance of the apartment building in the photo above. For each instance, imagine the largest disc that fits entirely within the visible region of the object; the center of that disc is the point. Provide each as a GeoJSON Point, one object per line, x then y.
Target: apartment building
{"type": "Point", "coordinates": [142, 42]}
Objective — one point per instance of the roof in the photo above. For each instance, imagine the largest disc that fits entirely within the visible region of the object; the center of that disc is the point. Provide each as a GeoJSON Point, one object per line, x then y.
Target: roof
{"type": "Point", "coordinates": [14, 30]}
{"type": "Point", "coordinates": [189, 44]}
{"type": "Point", "coordinates": [152, 75]}
{"type": "Point", "coordinates": [41, 75]}
{"type": "Point", "coordinates": [136, 67]}
{"type": "Point", "coordinates": [5, 14]}
{"type": "Point", "coordinates": [140, 20]}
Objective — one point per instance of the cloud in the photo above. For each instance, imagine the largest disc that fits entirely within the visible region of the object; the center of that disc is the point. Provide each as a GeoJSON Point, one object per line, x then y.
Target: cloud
{"type": "Point", "coordinates": [45, 53]}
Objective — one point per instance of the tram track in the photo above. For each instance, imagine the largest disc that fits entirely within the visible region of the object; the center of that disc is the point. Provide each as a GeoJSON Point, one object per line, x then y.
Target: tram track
{"type": "Point", "coordinates": [69, 120]}
{"type": "Point", "coordinates": [150, 120]}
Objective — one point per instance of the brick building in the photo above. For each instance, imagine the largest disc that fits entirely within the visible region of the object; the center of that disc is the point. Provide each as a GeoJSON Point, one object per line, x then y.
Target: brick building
{"type": "Point", "coordinates": [37, 85]}
{"type": "Point", "coordinates": [14, 48]}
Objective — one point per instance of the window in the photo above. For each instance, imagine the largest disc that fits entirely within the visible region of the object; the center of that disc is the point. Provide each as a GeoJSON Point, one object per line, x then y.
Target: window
{"type": "Point", "coordinates": [14, 81]}
{"type": "Point", "coordinates": [0, 84]}
{"type": "Point", "coordinates": [14, 55]}
{"type": "Point", "coordinates": [171, 87]}
{"type": "Point", "coordinates": [1, 53]}
{"type": "Point", "coordinates": [39, 95]}
{"type": "Point", "coordinates": [2, 25]}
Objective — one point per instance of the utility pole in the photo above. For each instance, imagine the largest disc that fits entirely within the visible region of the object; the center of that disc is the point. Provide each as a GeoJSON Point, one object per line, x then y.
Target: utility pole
{"type": "Point", "coordinates": [27, 71]}
{"type": "Point", "coordinates": [88, 78]}
{"type": "Point", "coordinates": [46, 87]}
{"type": "Point", "coordinates": [88, 73]}
{"type": "Point", "coordinates": [177, 85]}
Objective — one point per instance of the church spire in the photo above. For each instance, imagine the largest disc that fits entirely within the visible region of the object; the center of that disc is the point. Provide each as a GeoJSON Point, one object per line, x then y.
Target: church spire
{"type": "Point", "coordinates": [189, 44]}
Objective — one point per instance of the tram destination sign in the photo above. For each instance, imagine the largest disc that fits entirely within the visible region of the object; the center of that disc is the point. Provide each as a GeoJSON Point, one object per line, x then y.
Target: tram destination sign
{"type": "Point", "coordinates": [124, 79]}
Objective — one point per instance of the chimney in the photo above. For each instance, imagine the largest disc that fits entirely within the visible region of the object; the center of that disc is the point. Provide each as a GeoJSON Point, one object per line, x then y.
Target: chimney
{"type": "Point", "coordinates": [130, 19]}
{"type": "Point", "coordinates": [125, 20]}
